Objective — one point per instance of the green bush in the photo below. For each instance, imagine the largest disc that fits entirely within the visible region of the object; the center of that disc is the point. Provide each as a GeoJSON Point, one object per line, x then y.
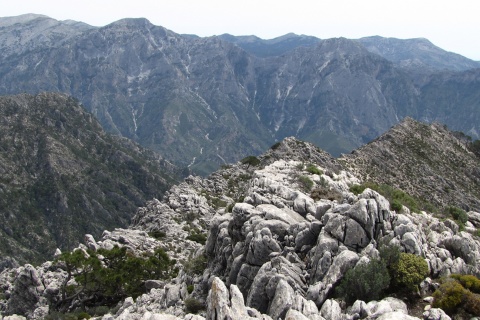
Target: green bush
{"type": "Point", "coordinates": [390, 254]}
{"type": "Point", "coordinates": [157, 234]}
{"type": "Point", "coordinates": [457, 214]}
{"type": "Point", "coordinates": [276, 145]}
{"type": "Point", "coordinates": [305, 182]}
{"type": "Point", "coordinates": [196, 265]}
{"type": "Point", "coordinates": [408, 272]}
{"type": "Point", "coordinates": [468, 281]}
{"type": "Point", "coordinates": [193, 305]}
{"type": "Point", "coordinates": [250, 161]}
{"type": "Point", "coordinates": [118, 275]}
{"type": "Point", "coordinates": [366, 282]}
{"type": "Point", "coordinates": [197, 237]}
{"type": "Point", "coordinates": [449, 296]}
{"type": "Point", "coordinates": [472, 303]}
{"type": "Point", "coordinates": [190, 288]}
{"type": "Point", "coordinates": [357, 189]}
{"type": "Point", "coordinates": [314, 170]}
{"type": "Point", "coordinates": [458, 292]}
{"type": "Point", "coordinates": [396, 205]}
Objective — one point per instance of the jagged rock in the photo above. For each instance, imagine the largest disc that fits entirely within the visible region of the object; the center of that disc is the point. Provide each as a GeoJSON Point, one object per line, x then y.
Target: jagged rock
{"type": "Point", "coordinates": [396, 315]}
{"type": "Point", "coordinates": [474, 218]}
{"type": "Point", "coordinates": [263, 288]}
{"type": "Point", "coordinates": [261, 246]}
{"type": "Point", "coordinates": [27, 292]}
{"type": "Point", "coordinates": [218, 301]}
{"type": "Point", "coordinates": [375, 309]}
{"type": "Point", "coordinates": [14, 317]}
{"type": "Point", "coordinates": [295, 315]}
{"type": "Point", "coordinates": [154, 284]}
{"type": "Point", "coordinates": [344, 261]}
{"type": "Point", "coordinates": [463, 246]}
{"type": "Point", "coordinates": [435, 314]}
{"type": "Point", "coordinates": [282, 300]}
{"type": "Point", "coordinates": [331, 310]}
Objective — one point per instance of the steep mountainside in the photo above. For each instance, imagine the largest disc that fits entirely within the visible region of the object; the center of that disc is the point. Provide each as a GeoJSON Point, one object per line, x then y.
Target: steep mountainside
{"type": "Point", "coordinates": [424, 160]}
{"type": "Point", "coordinates": [62, 176]}
{"type": "Point", "coordinates": [417, 54]}
{"type": "Point", "coordinates": [284, 235]}
{"type": "Point", "coordinates": [203, 102]}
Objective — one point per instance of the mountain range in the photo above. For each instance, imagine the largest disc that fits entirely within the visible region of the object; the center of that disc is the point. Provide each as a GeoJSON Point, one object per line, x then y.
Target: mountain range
{"type": "Point", "coordinates": [203, 102]}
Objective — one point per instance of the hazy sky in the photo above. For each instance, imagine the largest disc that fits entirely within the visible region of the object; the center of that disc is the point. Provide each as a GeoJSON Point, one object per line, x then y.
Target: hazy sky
{"type": "Point", "coordinates": [451, 25]}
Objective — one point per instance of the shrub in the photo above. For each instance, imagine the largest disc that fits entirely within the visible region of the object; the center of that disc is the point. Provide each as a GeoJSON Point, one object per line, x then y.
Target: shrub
{"type": "Point", "coordinates": [314, 170]}
{"type": "Point", "coordinates": [305, 182]}
{"type": "Point", "coordinates": [357, 189]}
{"type": "Point", "coordinates": [190, 288]}
{"type": "Point", "coordinates": [157, 234]}
{"type": "Point", "coordinates": [449, 296]}
{"type": "Point", "coordinates": [197, 237]}
{"type": "Point", "coordinates": [196, 265]}
{"type": "Point", "coordinates": [472, 303]}
{"type": "Point", "coordinates": [118, 275]}
{"type": "Point", "coordinates": [250, 161]}
{"type": "Point", "coordinates": [458, 291]}
{"type": "Point", "coordinates": [276, 145]}
{"type": "Point", "coordinates": [359, 282]}
{"type": "Point", "coordinates": [457, 214]}
{"type": "Point", "coordinates": [325, 193]}
{"type": "Point", "coordinates": [468, 281]}
{"type": "Point", "coordinates": [390, 254]}
{"type": "Point", "coordinates": [396, 205]}
{"type": "Point", "coordinates": [408, 272]}
{"type": "Point", "coordinates": [193, 305]}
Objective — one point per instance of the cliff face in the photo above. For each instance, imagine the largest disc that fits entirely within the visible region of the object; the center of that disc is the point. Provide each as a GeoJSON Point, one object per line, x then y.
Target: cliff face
{"type": "Point", "coordinates": [203, 102]}
{"type": "Point", "coordinates": [62, 176]}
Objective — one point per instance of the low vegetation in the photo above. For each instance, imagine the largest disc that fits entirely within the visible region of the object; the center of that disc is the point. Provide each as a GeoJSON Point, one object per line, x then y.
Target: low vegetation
{"type": "Point", "coordinates": [305, 183]}
{"type": "Point", "coordinates": [396, 197]}
{"type": "Point", "coordinates": [458, 293]}
{"type": "Point", "coordinates": [105, 277]}
{"type": "Point", "coordinates": [394, 271]}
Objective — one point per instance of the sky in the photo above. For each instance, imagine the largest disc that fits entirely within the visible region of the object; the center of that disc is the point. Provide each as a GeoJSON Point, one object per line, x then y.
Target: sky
{"type": "Point", "coordinates": [451, 25]}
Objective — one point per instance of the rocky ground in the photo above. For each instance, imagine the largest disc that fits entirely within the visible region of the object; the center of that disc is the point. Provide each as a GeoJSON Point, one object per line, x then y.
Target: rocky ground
{"type": "Point", "coordinates": [282, 233]}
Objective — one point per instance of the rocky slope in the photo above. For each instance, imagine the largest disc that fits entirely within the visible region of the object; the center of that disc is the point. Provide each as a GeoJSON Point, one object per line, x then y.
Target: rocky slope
{"type": "Point", "coordinates": [203, 102]}
{"type": "Point", "coordinates": [62, 176]}
{"type": "Point", "coordinates": [425, 160]}
{"type": "Point", "coordinates": [277, 246]}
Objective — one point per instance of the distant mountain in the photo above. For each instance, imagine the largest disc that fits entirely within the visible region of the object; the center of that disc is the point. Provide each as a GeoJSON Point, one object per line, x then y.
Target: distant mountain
{"type": "Point", "coordinates": [424, 160]}
{"type": "Point", "coordinates": [62, 176]}
{"type": "Point", "coordinates": [203, 102]}
{"type": "Point", "coordinates": [417, 53]}
{"type": "Point", "coordinates": [272, 47]}
{"type": "Point", "coordinates": [33, 31]}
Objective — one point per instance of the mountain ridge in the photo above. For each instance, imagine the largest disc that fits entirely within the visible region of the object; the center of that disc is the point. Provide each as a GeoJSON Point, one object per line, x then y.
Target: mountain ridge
{"type": "Point", "coordinates": [63, 176]}
{"type": "Point", "coordinates": [204, 102]}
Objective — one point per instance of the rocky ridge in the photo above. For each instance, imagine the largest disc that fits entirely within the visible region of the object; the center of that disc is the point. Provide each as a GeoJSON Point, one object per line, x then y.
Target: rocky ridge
{"type": "Point", "coordinates": [425, 160]}
{"type": "Point", "coordinates": [277, 247]}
